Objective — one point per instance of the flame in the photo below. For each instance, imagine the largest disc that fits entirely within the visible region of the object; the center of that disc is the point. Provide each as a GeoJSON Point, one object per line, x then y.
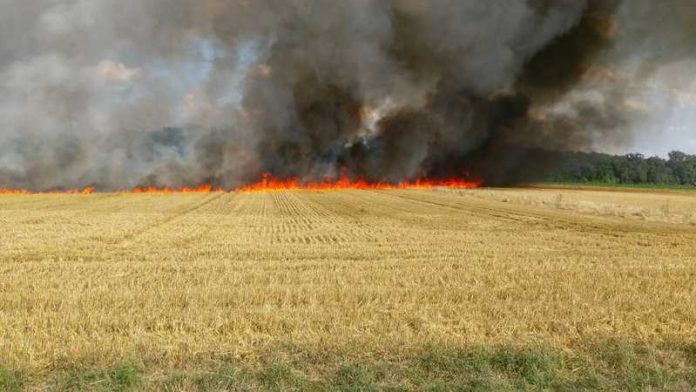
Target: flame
{"type": "Point", "coordinates": [206, 188]}
{"type": "Point", "coordinates": [10, 192]}
{"type": "Point", "coordinates": [269, 183]}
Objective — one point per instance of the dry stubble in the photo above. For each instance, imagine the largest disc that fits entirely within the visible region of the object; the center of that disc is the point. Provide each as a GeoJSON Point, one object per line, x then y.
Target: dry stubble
{"type": "Point", "coordinates": [178, 280]}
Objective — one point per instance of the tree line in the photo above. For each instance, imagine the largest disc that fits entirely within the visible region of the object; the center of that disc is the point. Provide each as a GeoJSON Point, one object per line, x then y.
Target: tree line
{"type": "Point", "coordinates": [678, 169]}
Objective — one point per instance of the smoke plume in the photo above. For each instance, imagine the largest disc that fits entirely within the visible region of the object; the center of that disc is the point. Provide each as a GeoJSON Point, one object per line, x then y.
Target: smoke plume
{"type": "Point", "coordinates": [116, 94]}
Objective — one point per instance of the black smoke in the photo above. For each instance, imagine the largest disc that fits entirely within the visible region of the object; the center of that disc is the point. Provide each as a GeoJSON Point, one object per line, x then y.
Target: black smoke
{"type": "Point", "coordinates": [178, 93]}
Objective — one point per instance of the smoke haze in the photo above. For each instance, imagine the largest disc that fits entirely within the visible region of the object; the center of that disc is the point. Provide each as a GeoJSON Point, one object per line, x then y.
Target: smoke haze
{"type": "Point", "coordinates": [117, 94]}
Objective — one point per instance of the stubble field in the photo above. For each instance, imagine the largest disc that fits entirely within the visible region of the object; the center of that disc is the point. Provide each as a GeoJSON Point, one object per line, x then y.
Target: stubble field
{"type": "Point", "coordinates": [349, 290]}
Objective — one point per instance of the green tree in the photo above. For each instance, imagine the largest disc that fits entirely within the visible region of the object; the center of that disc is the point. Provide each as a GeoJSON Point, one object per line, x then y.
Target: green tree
{"type": "Point", "coordinates": [683, 166]}
{"type": "Point", "coordinates": [659, 172]}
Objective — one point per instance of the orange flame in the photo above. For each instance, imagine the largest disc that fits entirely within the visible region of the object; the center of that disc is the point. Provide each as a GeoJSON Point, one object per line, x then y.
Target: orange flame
{"type": "Point", "coordinates": [269, 183]}
{"type": "Point", "coordinates": [10, 192]}
{"type": "Point", "coordinates": [206, 188]}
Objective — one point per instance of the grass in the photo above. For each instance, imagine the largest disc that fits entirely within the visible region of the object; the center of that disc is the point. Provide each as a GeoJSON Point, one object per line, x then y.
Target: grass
{"type": "Point", "coordinates": [347, 291]}
{"type": "Point", "coordinates": [122, 377]}
{"type": "Point", "coordinates": [353, 378]}
{"type": "Point", "coordinates": [613, 365]}
{"type": "Point", "coordinates": [11, 379]}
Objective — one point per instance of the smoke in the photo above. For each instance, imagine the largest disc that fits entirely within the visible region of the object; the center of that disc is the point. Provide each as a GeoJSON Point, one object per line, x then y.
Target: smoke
{"type": "Point", "coordinates": [117, 94]}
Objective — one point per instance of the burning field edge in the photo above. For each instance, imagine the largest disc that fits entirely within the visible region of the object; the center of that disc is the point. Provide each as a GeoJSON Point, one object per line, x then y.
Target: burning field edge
{"type": "Point", "coordinates": [269, 183]}
{"type": "Point", "coordinates": [603, 365]}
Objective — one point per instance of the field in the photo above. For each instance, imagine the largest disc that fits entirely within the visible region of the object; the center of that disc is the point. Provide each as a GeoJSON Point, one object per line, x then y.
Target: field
{"type": "Point", "coordinates": [349, 290]}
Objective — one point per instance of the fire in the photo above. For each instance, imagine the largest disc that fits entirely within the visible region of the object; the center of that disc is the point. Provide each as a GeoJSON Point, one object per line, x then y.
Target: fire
{"type": "Point", "coordinates": [206, 188]}
{"type": "Point", "coordinates": [269, 183]}
{"type": "Point", "coordinates": [10, 192]}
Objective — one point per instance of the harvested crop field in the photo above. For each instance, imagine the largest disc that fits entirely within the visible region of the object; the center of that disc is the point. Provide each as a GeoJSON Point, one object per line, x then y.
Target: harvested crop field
{"type": "Point", "coordinates": [349, 290]}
